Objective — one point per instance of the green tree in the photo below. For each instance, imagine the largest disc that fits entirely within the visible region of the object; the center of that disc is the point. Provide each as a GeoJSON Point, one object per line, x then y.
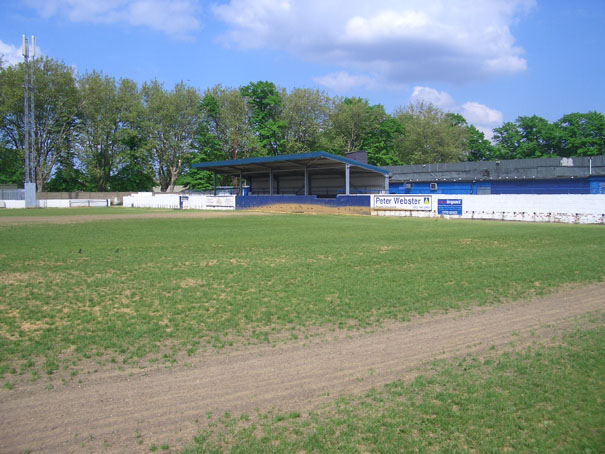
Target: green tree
{"type": "Point", "coordinates": [350, 122]}
{"type": "Point", "coordinates": [265, 102]}
{"type": "Point", "coordinates": [527, 137]}
{"type": "Point", "coordinates": [479, 148]}
{"type": "Point", "coordinates": [207, 147]}
{"type": "Point", "coordinates": [431, 136]}
{"type": "Point", "coordinates": [11, 166]}
{"type": "Point", "coordinates": [67, 177]}
{"type": "Point", "coordinates": [382, 136]}
{"type": "Point", "coordinates": [507, 139]}
{"type": "Point", "coordinates": [11, 159]}
{"type": "Point", "coordinates": [455, 119]}
{"type": "Point", "coordinates": [224, 132]}
{"type": "Point", "coordinates": [56, 100]}
{"type": "Point", "coordinates": [135, 170]}
{"type": "Point", "coordinates": [538, 137]}
{"type": "Point", "coordinates": [356, 125]}
{"type": "Point", "coordinates": [135, 174]}
{"type": "Point", "coordinates": [106, 109]}
{"type": "Point", "coordinates": [534, 137]}
{"type": "Point", "coordinates": [580, 134]}
{"type": "Point", "coordinates": [171, 119]}
{"type": "Point", "coordinates": [305, 112]}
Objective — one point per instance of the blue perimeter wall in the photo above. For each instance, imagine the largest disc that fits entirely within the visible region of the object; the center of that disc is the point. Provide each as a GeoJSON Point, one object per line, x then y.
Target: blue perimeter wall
{"type": "Point", "coordinates": [592, 185]}
{"type": "Point", "coordinates": [255, 201]}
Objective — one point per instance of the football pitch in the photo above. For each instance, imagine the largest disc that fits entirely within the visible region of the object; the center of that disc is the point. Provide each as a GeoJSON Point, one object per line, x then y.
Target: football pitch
{"type": "Point", "coordinates": [154, 330]}
{"type": "Point", "coordinates": [133, 290]}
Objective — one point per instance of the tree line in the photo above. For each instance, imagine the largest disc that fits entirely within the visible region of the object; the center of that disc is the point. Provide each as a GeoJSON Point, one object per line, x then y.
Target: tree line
{"type": "Point", "coordinates": [96, 133]}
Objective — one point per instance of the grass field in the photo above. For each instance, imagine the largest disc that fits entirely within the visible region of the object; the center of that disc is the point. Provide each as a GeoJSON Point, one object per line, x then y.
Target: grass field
{"type": "Point", "coordinates": [545, 399]}
{"type": "Point", "coordinates": [136, 291]}
{"type": "Point", "coordinates": [88, 211]}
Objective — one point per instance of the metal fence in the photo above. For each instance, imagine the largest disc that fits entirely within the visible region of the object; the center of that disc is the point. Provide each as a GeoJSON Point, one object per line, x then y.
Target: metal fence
{"type": "Point", "coordinates": [89, 203]}
{"type": "Point", "coordinates": [12, 194]}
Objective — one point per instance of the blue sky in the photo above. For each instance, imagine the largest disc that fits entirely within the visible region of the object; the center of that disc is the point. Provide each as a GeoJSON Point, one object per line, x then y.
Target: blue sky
{"type": "Point", "coordinates": [490, 60]}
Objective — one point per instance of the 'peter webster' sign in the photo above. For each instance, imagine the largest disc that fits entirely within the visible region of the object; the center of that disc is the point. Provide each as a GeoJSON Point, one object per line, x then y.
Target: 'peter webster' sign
{"type": "Point", "coordinates": [402, 202]}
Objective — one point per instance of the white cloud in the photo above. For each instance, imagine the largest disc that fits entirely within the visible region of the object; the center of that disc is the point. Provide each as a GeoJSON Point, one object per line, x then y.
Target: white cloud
{"type": "Point", "coordinates": [402, 41]}
{"type": "Point", "coordinates": [440, 99]}
{"type": "Point", "coordinates": [385, 24]}
{"type": "Point", "coordinates": [175, 18]}
{"type": "Point", "coordinates": [508, 63]}
{"type": "Point", "coordinates": [9, 54]}
{"type": "Point", "coordinates": [476, 113]}
{"type": "Point", "coordinates": [343, 82]}
{"type": "Point", "coordinates": [482, 117]}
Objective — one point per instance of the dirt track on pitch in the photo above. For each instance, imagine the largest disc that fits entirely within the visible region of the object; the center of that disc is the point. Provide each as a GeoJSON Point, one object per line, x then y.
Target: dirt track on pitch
{"type": "Point", "coordinates": [44, 218]}
{"type": "Point", "coordinates": [79, 218]}
{"type": "Point", "coordinates": [128, 411]}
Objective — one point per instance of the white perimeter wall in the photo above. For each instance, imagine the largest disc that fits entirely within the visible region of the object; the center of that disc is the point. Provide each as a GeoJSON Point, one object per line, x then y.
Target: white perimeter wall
{"type": "Point", "coordinates": [581, 209]}
{"type": "Point", "coordinates": [173, 201]}
{"type": "Point", "coordinates": [57, 203]}
{"type": "Point", "coordinates": [12, 203]}
{"type": "Point", "coordinates": [208, 202]}
{"type": "Point", "coordinates": [567, 208]}
{"type": "Point", "coordinates": [139, 200]}
{"type": "Point", "coordinates": [148, 200]}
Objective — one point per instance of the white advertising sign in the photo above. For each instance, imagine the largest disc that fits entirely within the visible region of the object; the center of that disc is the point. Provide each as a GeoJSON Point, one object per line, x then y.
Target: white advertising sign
{"type": "Point", "coordinates": [402, 202]}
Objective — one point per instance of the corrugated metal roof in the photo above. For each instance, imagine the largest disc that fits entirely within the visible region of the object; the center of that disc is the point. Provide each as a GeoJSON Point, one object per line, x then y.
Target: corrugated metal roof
{"type": "Point", "coordinates": [316, 160]}
{"type": "Point", "coordinates": [523, 169]}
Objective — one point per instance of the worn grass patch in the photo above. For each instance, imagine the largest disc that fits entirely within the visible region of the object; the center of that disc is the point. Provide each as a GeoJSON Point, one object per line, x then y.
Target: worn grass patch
{"type": "Point", "coordinates": [120, 291]}
{"type": "Point", "coordinates": [77, 211]}
{"type": "Point", "coordinates": [544, 399]}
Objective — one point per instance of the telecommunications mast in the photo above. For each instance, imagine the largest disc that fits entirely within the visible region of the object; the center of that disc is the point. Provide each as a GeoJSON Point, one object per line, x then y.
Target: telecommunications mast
{"type": "Point", "coordinates": [28, 120]}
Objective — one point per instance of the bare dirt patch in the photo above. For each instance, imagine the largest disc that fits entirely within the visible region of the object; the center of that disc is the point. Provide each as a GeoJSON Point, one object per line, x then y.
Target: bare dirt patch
{"type": "Point", "coordinates": [308, 208]}
{"type": "Point", "coordinates": [128, 411]}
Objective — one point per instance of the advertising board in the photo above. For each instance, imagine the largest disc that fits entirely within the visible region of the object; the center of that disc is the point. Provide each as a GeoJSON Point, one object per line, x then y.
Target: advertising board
{"type": "Point", "coordinates": [449, 207]}
{"type": "Point", "coordinates": [402, 202]}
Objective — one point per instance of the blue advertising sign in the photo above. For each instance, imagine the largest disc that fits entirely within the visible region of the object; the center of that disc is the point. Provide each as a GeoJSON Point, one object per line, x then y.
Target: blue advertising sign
{"type": "Point", "coordinates": [449, 207]}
